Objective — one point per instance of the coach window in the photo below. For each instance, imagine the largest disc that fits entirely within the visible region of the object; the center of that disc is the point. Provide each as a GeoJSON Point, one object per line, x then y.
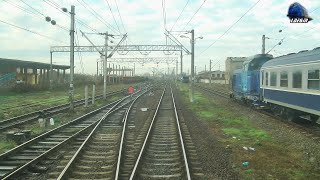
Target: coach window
{"type": "Point", "coordinates": [283, 79]}
{"type": "Point", "coordinates": [297, 79]}
{"type": "Point", "coordinates": [273, 79]}
{"type": "Point", "coordinates": [313, 79]}
{"type": "Point", "coordinates": [267, 79]}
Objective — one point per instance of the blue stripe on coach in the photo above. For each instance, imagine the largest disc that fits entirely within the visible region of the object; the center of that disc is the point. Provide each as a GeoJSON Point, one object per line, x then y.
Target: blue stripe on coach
{"type": "Point", "coordinates": [299, 99]}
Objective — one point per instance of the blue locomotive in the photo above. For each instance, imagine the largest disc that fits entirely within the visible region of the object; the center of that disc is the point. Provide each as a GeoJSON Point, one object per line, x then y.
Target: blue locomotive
{"type": "Point", "coordinates": [288, 85]}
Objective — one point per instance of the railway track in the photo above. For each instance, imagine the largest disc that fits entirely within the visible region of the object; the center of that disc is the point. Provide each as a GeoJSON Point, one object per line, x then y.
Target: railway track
{"type": "Point", "coordinates": [33, 151]}
{"type": "Point", "coordinates": [212, 91]}
{"type": "Point", "coordinates": [307, 128]}
{"type": "Point", "coordinates": [97, 157]}
{"type": "Point", "coordinates": [19, 120]}
{"type": "Point", "coordinates": [163, 154]}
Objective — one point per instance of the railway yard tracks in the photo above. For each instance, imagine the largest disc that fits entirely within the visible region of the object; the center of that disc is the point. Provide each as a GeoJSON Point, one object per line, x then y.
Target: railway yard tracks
{"type": "Point", "coordinates": [33, 151]}
{"type": "Point", "coordinates": [19, 120]}
{"type": "Point", "coordinates": [109, 144]}
{"type": "Point", "coordinates": [97, 156]}
{"type": "Point", "coordinates": [308, 128]}
{"type": "Point", "coordinates": [163, 153]}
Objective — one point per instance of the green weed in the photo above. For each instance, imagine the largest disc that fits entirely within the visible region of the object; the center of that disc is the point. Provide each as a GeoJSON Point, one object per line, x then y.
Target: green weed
{"type": "Point", "coordinates": [6, 145]}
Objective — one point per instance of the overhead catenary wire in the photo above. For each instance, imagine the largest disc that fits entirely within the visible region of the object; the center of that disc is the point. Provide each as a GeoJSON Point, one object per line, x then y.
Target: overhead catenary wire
{"type": "Point", "coordinates": [33, 13]}
{"type": "Point", "coordinates": [113, 15]}
{"type": "Point", "coordinates": [120, 17]}
{"type": "Point", "coordinates": [225, 32]}
{"type": "Point", "coordinates": [58, 8]}
{"type": "Point", "coordinates": [31, 31]}
{"type": "Point", "coordinates": [194, 14]}
{"type": "Point", "coordinates": [164, 15]}
{"type": "Point", "coordinates": [79, 52]}
{"type": "Point", "coordinates": [297, 35]}
{"type": "Point", "coordinates": [97, 15]}
{"type": "Point", "coordinates": [179, 15]}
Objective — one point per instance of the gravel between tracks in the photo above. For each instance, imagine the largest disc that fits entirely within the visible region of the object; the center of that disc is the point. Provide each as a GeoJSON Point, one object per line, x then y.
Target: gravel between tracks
{"type": "Point", "coordinates": [215, 160]}
{"type": "Point", "coordinates": [283, 133]}
{"type": "Point", "coordinates": [219, 163]}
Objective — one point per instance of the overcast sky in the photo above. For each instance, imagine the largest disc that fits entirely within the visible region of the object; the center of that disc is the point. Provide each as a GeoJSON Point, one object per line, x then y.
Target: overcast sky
{"type": "Point", "coordinates": [145, 24]}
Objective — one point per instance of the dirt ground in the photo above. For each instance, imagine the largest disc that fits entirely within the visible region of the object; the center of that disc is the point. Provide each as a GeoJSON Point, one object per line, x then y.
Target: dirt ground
{"type": "Point", "coordinates": [223, 132]}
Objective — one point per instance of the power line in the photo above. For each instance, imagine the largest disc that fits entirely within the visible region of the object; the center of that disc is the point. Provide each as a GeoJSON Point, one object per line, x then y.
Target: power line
{"type": "Point", "coordinates": [34, 32]}
{"type": "Point", "coordinates": [302, 33]}
{"type": "Point", "coordinates": [34, 14]}
{"type": "Point", "coordinates": [97, 15]}
{"type": "Point", "coordinates": [22, 8]}
{"type": "Point", "coordinates": [32, 8]}
{"type": "Point", "coordinates": [120, 16]}
{"type": "Point", "coordinates": [179, 15]}
{"type": "Point", "coordinates": [79, 53]}
{"type": "Point", "coordinates": [57, 7]}
{"type": "Point", "coordinates": [194, 14]}
{"type": "Point", "coordinates": [231, 26]}
{"type": "Point", "coordinates": [113, 16]}
{"type": "Point", "coordinates": [164, 14]}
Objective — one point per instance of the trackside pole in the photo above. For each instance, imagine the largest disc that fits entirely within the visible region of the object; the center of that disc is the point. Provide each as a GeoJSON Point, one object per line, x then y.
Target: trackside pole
{"type": "Point", "coordinates": [93, 93]}
{"type": "Point", "coordinates": [86, 96]}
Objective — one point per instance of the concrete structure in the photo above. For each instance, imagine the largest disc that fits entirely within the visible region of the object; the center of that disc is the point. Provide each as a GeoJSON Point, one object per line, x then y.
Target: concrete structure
{"type": "Point", "coordinates": [28, 72]}
{"type": "Point", "coordinates": [216, 77]}
{"type": "Point", "coordinates": [233, 63]}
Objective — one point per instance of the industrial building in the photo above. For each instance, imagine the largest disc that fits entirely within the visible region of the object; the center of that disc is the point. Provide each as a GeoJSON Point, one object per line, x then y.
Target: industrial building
{"type": "Point", "coordinates": [232, 63]}
{"type": "Point", "coordinates": [13, 71]}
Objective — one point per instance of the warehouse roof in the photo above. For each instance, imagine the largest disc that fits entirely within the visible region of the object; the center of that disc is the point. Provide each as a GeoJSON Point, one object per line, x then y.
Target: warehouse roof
{"type": "Point", "coordinates": [29, 64]}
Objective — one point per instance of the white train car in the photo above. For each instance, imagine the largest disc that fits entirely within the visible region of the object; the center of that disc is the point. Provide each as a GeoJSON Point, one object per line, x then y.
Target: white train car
{"type": "Point", "coordinates": [290, 84]}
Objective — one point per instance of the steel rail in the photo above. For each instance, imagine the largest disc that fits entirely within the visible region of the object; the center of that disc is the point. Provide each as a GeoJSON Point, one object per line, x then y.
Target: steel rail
{"type": "Point", "coordinates": [219, 93]}
{"type": "Point", "coordinates": [52, 110]}
{"type": "Point", "coordinates": [24, 145]}
{"type": "Point", "coordinates": [122, 137]}
{"type": "Point", "coordinates": [145, 141]}
{"type": "Point", "coordinates": [67, 168]}
{"type": "Point", "coordinates": [181, 138]}
{"type": "Point", "coordinates": [314, 129]}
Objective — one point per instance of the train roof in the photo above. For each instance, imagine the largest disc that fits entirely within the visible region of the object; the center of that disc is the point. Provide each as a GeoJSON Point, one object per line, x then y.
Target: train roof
{"type": "Point", "coordinates": [257, 56]}
{"type": "Point", "coordinates": [301, 57]}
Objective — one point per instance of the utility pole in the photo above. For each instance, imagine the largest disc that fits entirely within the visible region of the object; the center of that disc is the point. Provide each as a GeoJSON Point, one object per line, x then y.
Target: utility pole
{"type": "Point", "coordinates": [71, 90]}
{"type": "Point", "coordinates": [134, 69]}
{"type": "Point", "coordinates": [105, 67]}
{"type": "Point", "coordinates": [97, 69]}
{"type": "Point", "coordinates": [177, 70]}
{"type": "Point", "coordinates": [263, 44]}
{"type": "Point", "coordinates": [109, 73]}
{"type": "Point", "coordinates": [117, 69]}
{"type": "Point", "coordinates": [205, 68]}
{"type": "Point", "coordinates": [210, 70]}
{"type": "Point", "coordinates": [181, 71]}
{"type": "Point", "coordinates": [51, 70]}
{"type": "Point", "coordinates": [112, 73]}
{"type": "Point", "coordinates": [192, 67]}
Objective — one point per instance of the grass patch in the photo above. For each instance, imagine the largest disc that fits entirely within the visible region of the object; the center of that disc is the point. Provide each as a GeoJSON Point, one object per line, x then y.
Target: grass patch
{"type": "Point", "coordinates": [6, 145]}
{"type": "Point", "coordinates": [247, 134]}
{"type": "Point", "coordinates": [270, 160]}
{"type": "Point", "coordinates": [46, 98]}
{"type": "Point", "coordinates": [231, 124]}
{"type": "Point", "coordinates": [206, 114]}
